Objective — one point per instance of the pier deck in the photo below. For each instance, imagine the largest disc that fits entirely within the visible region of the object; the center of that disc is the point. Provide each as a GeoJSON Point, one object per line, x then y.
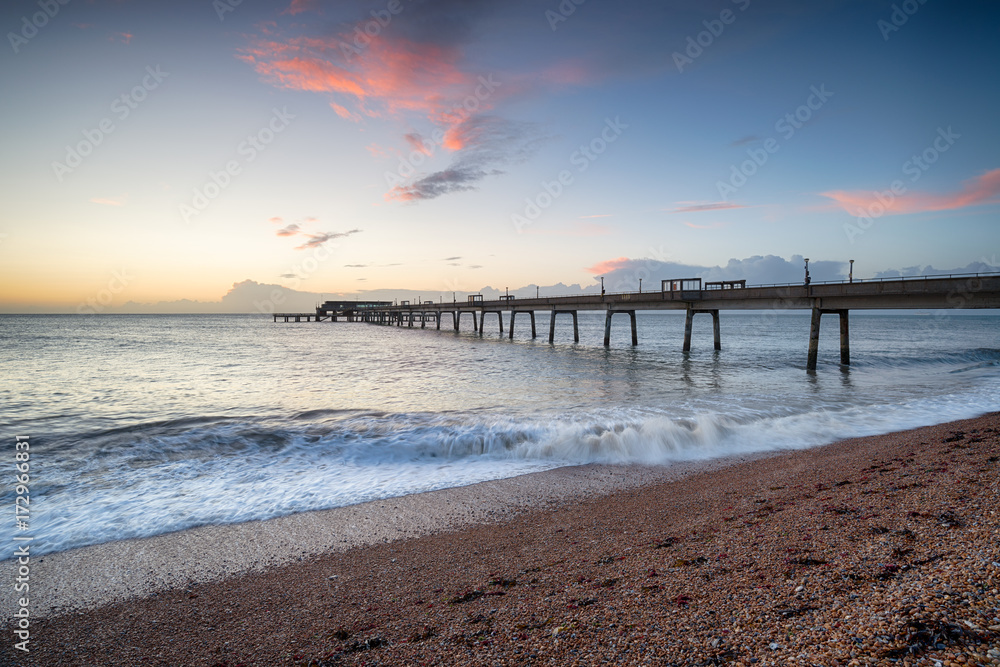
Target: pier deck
{"type": "Point", "coordinates": [827, 298]}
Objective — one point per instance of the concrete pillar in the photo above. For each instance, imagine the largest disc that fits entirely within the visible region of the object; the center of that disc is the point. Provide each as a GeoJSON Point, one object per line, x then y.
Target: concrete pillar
{"type": "Point", "coordinates": [512, 314]}
{"type": "Point", "coordinates": [482, 320]}
{"type": "Point", "coordinates": [716, 330]}
{"type": "Point", "coordinates": [437, 316]}
{"type": "Point", "coordinates": [423, 320]}
{"type": "Point", "coordinates": [845, 339]}
{"type": "Point", "coordinates": [552, 327]}
{"type": "Point", "coordinates": [607, 326]}
{"type": "Point", "coordinates": [576, 329]}
{"type": "Point", "coordinates": [500, 317]}
{"type": "Point", "coordinates": [532, 314]}
{"type": "Point", "coordinates": [817, 315]}
{"type": "Point", "coordinates": [688, 322]}
{"type": "Point", "coordinates": [454, 318]}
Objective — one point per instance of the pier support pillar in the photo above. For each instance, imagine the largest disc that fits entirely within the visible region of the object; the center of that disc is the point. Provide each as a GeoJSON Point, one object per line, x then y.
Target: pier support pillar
{"type": "Point", "coordinates": [482, 320]}
{"type": "Point", "coordinates": [689, 325]}
{"type": "Point", "coordinates": [552, 325]}
{"type": "Point", "coordinates": [531, 314]}
{"type": "Point", "coordinates": [454, 319]}
{"type": "Point", "coordinates": [845, 339]}
{"type": "Point", "coordinates": [437, 316]}
{"type": "Point", "coordinates": [607, 326]}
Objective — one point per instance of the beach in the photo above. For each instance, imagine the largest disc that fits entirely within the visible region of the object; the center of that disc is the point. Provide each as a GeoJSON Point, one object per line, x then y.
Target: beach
{"type": "Point", "coordinates": [876, 550]}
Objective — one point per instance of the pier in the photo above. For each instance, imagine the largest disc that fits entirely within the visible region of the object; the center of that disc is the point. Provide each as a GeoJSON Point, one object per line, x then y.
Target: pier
{"type": "Point", "coordinates": [964, 291]}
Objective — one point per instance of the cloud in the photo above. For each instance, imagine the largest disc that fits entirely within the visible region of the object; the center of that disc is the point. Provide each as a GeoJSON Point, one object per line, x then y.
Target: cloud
{"type": "Point", "coordinates": [289, 276]}
{"type": "Point", "coordinates": [416, 142]}
{"type": "Point", "coordinates": [355, 266]}
{"type": "Point", "coordinates": [112, 201]}
{"type": "Point", "coordinates": [488, 145]}
{"type": "Point", "coordinates": [984, 189]}
{"type": "Point", "coordinates": [452, 259]}
{"type": "Point", "coordinates": [743, 141]}
{"type": "Point", "coordinates": [124, 37]}
{"type": "Point", "coordinates": [290, 230]}
{"type": "Point", "coordinates": [299, 6]}
{"type": "Point", "coordinates": [694, 207]}
{"type": "Point", "coordinates": [622, 274]}
{"type": "Point", "coordinates": [608, 265]}
{"type": "Point", "coordinates": [276, 220]}
{"type": "Point", "coordinates": [316, 240]}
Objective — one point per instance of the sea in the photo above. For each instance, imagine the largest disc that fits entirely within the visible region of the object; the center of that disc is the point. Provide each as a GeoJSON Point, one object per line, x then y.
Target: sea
{"type": "Point", "coordinates": [145, 424]}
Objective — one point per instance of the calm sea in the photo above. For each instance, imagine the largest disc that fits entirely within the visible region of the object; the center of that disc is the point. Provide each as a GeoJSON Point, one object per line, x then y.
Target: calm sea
{"type": "Point", "coordinates": [141, 425]}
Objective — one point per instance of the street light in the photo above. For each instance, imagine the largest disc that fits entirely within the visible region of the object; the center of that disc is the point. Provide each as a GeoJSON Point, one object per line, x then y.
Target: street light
{"type": "Point", "coordinates": [602, 285]}
{"type": "Point", "coordinates": [640, 285]}
{"type": "Point", "coordinates": [807, 271]}
{"type": "Point", "coordinates": [850, 276]}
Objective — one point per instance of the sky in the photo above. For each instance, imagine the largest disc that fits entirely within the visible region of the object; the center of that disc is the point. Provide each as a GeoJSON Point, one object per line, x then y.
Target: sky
{"type": "Point", "coordinates": [186, 155]}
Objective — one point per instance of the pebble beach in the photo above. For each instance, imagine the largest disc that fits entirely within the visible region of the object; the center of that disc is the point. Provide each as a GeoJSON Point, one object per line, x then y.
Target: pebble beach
{"type": "Point", "coordinates": [873, 551]}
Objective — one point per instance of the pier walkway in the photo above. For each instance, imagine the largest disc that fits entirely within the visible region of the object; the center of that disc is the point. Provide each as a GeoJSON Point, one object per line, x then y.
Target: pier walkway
{"type": "Point", "coordinates": [692, 296]}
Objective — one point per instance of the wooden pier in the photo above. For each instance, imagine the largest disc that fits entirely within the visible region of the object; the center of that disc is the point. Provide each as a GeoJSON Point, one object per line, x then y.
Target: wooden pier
{"type": "Point", "coordinates": [689, 294]}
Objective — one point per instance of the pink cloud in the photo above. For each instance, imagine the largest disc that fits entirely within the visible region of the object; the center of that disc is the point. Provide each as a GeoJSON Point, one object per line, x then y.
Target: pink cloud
{"type": "Point", "coordinates": [290, 230]}
{"type": "Point", "coordinates": [276, 220]}
{"type": "Point", "coordinates": [124, 37]}
{"type": "Point", "coordinates": [608, 265]}
{"type": "Point", "coordinates": [417, 143]}
{"type": "Point", "coordinates": [984, 189]}
{"type": "Point", "coordinates": [344, 113]}
{"type": "Point", "coordinates": [694, 207]}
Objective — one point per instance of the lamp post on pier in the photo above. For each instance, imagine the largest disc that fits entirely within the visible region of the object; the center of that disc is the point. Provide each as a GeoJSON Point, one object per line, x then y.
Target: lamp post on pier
{"type": "Point", "coordinates": [850, 276]}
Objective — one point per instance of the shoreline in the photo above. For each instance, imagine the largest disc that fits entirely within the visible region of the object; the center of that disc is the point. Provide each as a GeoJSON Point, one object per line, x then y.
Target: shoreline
{"type": "Point", "coordinates": [86, 577]}
{"type": "Point", "coordinates": [875, 550]}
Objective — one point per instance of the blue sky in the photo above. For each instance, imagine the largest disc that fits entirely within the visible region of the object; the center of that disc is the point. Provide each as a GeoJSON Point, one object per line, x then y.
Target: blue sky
{"type": "Point", "coordinates": [461, 144]}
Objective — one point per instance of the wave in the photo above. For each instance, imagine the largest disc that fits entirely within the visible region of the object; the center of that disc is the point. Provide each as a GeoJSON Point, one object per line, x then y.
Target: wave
{"type": "Point", "coordinates": [170, 477]}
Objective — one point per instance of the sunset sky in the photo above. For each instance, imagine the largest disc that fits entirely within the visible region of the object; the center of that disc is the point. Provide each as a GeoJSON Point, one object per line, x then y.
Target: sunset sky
{"type": "Point", "coordinates": [162, 151]}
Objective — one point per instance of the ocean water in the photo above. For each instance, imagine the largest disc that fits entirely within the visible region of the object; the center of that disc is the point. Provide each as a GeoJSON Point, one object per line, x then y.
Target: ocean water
{"type": "Point", "coordinates": [141, 425]}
